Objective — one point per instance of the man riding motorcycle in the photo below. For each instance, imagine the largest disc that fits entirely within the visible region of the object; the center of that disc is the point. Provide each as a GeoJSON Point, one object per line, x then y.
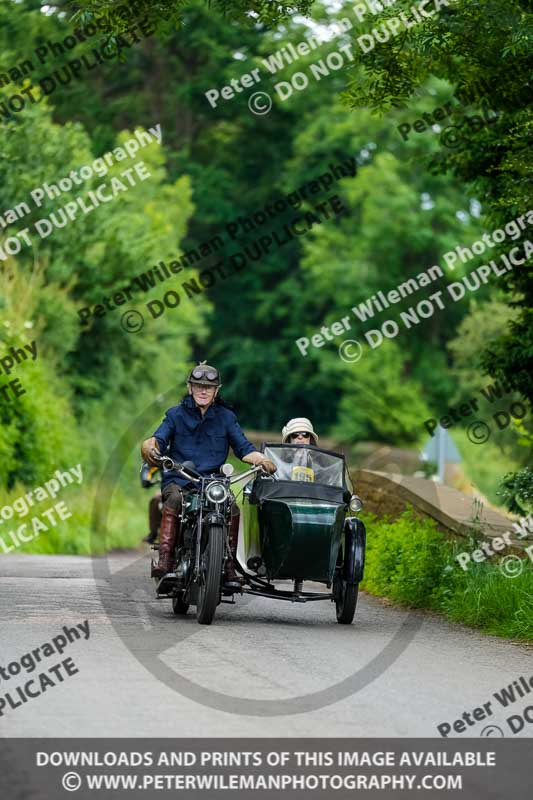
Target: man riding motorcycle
{"type": "Point", "coordinates": [200, 429]}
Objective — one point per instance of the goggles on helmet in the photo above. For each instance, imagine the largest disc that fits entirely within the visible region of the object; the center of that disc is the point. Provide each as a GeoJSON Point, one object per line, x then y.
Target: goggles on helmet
{"type": "Point", "coordinates": [205, 374]}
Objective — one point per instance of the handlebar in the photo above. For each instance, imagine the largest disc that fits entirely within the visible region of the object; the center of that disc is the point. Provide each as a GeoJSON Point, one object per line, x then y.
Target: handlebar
{"type": "Point", "coordinates": [245, 474]}
{"type": "Point", "coordinates": [170, 465]}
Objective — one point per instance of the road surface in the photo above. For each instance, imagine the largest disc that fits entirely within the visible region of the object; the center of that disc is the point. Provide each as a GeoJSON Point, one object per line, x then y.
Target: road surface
{"type": "Point", "coordinates": [254, 660]}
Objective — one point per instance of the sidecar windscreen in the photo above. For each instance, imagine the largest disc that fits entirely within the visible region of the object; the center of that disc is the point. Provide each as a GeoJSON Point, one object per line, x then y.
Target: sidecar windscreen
{"type": "Point", "coordinates": [307, 464]}
{"type": "Point", "coordinates": [304, 471]}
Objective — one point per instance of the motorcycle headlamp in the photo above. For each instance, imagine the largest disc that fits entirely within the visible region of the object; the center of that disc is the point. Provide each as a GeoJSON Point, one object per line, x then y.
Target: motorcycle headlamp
{"type": "Point", "coordinates": [356, 504]}
{"type": "Point", "coordinates": [216, 492]}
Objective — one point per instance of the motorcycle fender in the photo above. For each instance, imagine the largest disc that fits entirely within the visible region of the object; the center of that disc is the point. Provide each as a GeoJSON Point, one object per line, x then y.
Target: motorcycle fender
{"type": "Point", "coordinates": [354, 543]}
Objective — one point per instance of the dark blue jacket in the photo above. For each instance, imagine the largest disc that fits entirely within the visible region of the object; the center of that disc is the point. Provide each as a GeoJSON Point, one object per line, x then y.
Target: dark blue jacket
{"type": "Point", "coordinates": [204, 440]}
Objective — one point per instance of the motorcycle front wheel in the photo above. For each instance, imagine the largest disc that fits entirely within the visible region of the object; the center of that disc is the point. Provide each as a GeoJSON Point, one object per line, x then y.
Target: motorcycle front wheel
{"type": "Point", "coordinates": [211, 574]}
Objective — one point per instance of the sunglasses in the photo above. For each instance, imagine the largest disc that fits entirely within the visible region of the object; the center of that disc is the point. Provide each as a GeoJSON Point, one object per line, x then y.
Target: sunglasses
{"type": "Point", "coordinates": [200, 372]}
{"type": "Point", "coordinates": [302, 434]}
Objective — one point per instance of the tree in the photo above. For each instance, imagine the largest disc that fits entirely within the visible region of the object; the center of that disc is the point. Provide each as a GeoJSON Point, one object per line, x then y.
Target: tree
{"type": "Point", "coordinates": [167, 14]}
{"type": "Point", "coordinates": [98, 368]}
{"type": "Point", "coordinates": [475, 46]}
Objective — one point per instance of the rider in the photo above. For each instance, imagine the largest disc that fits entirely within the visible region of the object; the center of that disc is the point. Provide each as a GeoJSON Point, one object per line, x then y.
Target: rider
{"type": "Point", "coordinates": [200, 429]}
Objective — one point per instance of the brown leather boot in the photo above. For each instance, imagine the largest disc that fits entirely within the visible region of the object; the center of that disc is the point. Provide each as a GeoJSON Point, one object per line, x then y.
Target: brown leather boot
{"type": "Point", "coordinates": [154, 519]}
{"type": "Point", "coordinates": [231, 579]}
{"type": "Point", "coordinates": [167, 540]}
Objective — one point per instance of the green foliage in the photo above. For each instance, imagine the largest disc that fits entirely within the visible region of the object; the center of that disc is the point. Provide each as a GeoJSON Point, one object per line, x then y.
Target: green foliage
{"type": "Point", "coordinates": [472, 45]}
{"type": "Point", "coordinates": [166, 14]}
{"type": "Point", "coordinates": [380, 404]}
{"type": "Point", "coordinates": [128, 521]}
{"type": "Point", "coordinates": [484, 323]}
{"type": "Point", "coordinates": [218, 164]}
{"type": "Point", "coordinates": [511, 356]}
{"type": "Point", "coordinates": [92, 257]}
{"type": "Point", "coordinates": [517, 491]}
{"type": "Point", "coordinates": [487, 599]}
{"type": "Point", "coordinates": [429, 468]}
{"type": "Point", "coordinates": [37, 428]}
{"type": "Point", "coordinates": [406, 560]}
{"type": "Point", "coordinates": [484, 464]}
{"type": "Point", "coordinates": [409, 561]}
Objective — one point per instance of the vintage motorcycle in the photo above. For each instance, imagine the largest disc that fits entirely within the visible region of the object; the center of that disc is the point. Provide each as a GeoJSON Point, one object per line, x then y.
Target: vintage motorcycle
{"type": "Point", "coordinates": [295, 526]}
{"type": "Point", "coordinates": [205, 521]}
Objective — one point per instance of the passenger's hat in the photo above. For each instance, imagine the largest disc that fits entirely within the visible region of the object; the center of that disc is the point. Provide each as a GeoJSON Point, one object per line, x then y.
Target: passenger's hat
{"type": "Point", "coordinates": [298, 424]}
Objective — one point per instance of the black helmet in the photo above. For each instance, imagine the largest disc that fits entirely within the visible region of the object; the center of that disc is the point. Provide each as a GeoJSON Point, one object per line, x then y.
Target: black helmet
{"type": "Point", "coordinates": [205, 375]}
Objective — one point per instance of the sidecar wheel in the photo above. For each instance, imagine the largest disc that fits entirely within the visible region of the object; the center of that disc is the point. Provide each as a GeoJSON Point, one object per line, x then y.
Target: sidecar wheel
{"type": "Point", "coordinates": [345, 594]}
{"type": "Point", "coordinates": [346, 602]}
{"type": "Point", "coordinates": [178, 605]}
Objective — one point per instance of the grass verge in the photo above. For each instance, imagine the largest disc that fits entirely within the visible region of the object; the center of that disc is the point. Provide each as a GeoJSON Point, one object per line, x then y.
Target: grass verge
{"type": "Point", "coordinates": [411, 562]}
{"type": "Point", "coordinates": [126, 525]}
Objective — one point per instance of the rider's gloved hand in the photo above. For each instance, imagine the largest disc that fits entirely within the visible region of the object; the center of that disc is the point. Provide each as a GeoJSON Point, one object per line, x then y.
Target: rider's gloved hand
{"type": "Point", "coordinates": [150, 450]}
{"type": "Point", "coordinates": [269, 466]}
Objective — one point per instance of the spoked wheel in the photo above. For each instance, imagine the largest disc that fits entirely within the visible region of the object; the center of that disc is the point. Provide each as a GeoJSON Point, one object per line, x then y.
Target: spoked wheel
{"type": "Point", "coordinates": [345, 600]}
{"type": "Point", "coordinates": [178, 604]}
{"type": "Point", "coordinates": [210, 575]}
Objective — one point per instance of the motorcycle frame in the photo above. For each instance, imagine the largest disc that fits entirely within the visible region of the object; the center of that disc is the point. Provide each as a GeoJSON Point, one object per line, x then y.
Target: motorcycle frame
{"type": "Point", "coordinates": [213, 515]}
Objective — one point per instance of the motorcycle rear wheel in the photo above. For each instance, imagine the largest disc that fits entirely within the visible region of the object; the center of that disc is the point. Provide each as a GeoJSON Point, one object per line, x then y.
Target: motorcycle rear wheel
{"type": "Point", "coordinates": [209, 590]}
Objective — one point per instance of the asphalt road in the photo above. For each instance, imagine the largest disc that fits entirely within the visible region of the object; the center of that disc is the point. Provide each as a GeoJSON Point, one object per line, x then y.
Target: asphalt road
{"type": "Point", "coordinates": [414, 670]}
